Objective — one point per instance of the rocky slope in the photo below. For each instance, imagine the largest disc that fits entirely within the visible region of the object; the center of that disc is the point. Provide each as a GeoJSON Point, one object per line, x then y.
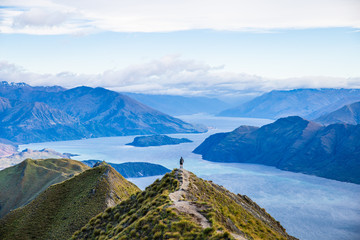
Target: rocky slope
{"type": "Point", "coordinates": [348, 114]}
{"type": "Point", "coordinates": [65, 207]}
{"type": "Point", "coordinates": [308, 103]}
{"type": "Point", "coordinates": [42, 114]}
{"type": "Point", "coordinates": [21, 183]}
{"type": "Point", "coordinates": [182, 206]}
{"type": "Point", "coordinates": [134, 169]}
{"type": "Point", "coordinates": [18, 157]}
{"type": "Point", "coordinates": [292, 144]}
{"type": "Point", "coordinates": [157, 140]}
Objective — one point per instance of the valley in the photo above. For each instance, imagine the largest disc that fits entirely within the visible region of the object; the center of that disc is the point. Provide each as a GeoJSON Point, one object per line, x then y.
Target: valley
{"type": "Point", "coordinates": [326, 208]}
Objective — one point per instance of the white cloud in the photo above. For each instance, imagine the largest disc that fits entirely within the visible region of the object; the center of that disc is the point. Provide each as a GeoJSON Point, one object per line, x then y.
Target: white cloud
{"type": "Point", "coordinates": [173, 75]}
{"type": "Point", "coordinates": [165, 15]}
{"type": "Point", "coordinates": [40, 17]}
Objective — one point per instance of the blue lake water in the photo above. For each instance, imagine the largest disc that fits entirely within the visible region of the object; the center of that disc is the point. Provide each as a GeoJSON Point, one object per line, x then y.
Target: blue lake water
{"type": "Point", "coordinates": [309, 207]}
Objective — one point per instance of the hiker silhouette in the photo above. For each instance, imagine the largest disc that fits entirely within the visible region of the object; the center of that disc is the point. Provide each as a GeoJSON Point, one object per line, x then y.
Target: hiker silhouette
{"type": "Point", "coordinates": [181, 162]}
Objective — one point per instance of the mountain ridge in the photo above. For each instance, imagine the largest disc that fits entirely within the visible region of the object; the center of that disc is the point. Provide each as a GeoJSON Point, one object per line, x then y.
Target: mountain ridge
{"type": "Point", "coordinates": [83, 112]}
{"type": "Point", "coordinates": [308, 103]}
{"type": "Point", "coordinates": [292, 144]}
{"type": "Point", "coordinates": [182, 206]}
{"type": "Point", "coordinates": [64, 207]}
{"type": "Point", "coordinates": [23, 182]}
{"type": "Point", "coordinates": [347, 114]}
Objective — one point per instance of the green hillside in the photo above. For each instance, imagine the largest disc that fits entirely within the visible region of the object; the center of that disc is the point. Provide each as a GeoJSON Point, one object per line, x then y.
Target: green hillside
{"type": "Point", "coordinates": [65, 207]}
{"type": "Point", "coordinates": [23, 182]}
{"type": "Point", "coordinates": [182, 206]}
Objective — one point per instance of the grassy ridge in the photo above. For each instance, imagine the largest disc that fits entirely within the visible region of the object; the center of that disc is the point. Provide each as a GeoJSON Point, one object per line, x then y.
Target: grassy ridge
{"type": "Point", "coordinates": [65, 207]}
{"type": "Point", "coordinates": [146, 216]}
{"type": "Point", "coordinates": [150, 215]}
{"type": "Point", "coordinates": [23, 182]}
{"type": "Point", "coordinates": [234, 213]}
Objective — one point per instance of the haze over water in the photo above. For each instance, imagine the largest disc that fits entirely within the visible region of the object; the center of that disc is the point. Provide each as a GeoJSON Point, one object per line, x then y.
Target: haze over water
{"type": "Point", "coordinates": [308, 207]}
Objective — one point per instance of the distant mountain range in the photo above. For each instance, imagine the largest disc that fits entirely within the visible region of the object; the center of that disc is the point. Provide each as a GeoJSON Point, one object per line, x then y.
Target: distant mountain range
{"type": "Point", "coordinates": [35, 114]}
{"type": "Point", "coordinates": [292, 144]}
{"type": "Point", "coordinates": [307, 103]}
{"type": "Point", "coordinates": [134, 169]}
{"type": "Point", "coordinates": [180, 105]}
{"type": "Point", "coordinates": [157, 140]}
{"type": "Point", "coordinates": [63, 208]}
{"type": "Point", "coordinates": [348, 114]}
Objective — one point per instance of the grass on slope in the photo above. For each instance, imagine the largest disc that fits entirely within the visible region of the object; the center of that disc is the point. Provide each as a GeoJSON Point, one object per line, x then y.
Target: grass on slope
{"type": "Point", "coordinates": [23, 182]}
{"type": "Point", "coordinates": [235, 213]}
{"type": "Point", "coordinates": [65, 207]}
{"type": "Point", "coordinates": [147, 215]}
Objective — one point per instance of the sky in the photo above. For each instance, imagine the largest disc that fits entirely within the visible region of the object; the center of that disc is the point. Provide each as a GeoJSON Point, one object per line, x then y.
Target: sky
{"type": "Point", "coordinates": [187, 47]}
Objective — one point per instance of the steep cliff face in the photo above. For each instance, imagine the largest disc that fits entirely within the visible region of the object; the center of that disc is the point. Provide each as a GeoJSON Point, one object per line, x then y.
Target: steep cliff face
{"type": "Point", "coordinates": [182, 206]}
{"type": "Point", "coordinates": [65, 207]}
{"type": "Point", "coordinates": [292, 144]}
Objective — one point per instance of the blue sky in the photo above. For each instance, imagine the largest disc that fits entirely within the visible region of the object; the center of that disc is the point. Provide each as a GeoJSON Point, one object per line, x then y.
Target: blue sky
{"type": "Point", "coordinates": [223, 47]}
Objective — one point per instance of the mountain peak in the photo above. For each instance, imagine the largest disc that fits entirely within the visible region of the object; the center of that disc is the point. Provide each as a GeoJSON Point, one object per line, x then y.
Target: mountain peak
{"type": "Point", "coordinates": [65, 207]}
{"type": "Point", "coordinates": [181, 205]}
{"type": "Point", "coordinates": [13, 84]}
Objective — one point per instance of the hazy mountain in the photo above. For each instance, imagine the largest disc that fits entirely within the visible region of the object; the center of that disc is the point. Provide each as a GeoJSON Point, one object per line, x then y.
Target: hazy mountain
{"type": "Point", "coordinates": [65, 207]}
{"type": "Point", "coordinates": [134, 169]}
{"type": "Point", "coordinates": [308, 103]}
{"type": "Point", "coordinates": [183, 206]}
{"type": "Point", "coordinates": [292, 144]}
{"type": "Point", "coordinates": [156, 140]}
{"type": "Point", "coordinates": [348, 114]}
{"type": "Point", "coordinates": [35, 114]}
{"type": "Point", "coordinates": [7, 147]}
{"type": "Point", "coordinates": [181, 105]}
{"type": "Point", "coordinates": [18, 157]}
{"type": "Point", "coordinates": [107, 113]}
{"type": "Point", "coordinates": [36, 121]}
{"type": "Point", "coordinates": [23, 182]}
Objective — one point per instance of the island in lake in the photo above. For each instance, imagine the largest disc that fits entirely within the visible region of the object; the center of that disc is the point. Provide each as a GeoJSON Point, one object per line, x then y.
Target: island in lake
{"type": "Point", "coordinates": [156, 140]}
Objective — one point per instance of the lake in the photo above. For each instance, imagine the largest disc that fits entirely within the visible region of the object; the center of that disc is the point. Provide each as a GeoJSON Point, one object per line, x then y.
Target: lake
{"type": "Point", "coordinates": [309, 207]}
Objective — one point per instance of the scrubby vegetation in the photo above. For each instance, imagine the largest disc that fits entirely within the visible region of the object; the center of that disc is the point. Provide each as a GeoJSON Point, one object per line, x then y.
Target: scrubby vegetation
{"type": "Point", "coordinates": [147, 215]}
{"type": "Point", "coordinates": [234, 213]}
{"type": "Point", "coordinates": [65, 207]}
{"type": "Point", "coordinates": [150, 215]}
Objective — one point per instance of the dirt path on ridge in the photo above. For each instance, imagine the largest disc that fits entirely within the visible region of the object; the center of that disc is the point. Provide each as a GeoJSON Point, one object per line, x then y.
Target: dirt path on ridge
{"type": "Point", "coordinates": [184, 206]}
{"type": "Point", "coordinates": [178, 198]}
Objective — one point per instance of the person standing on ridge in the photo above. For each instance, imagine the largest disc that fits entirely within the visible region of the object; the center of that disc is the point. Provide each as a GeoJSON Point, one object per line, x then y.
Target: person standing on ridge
{"type": "Point", "coordinates": [181, 162]}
